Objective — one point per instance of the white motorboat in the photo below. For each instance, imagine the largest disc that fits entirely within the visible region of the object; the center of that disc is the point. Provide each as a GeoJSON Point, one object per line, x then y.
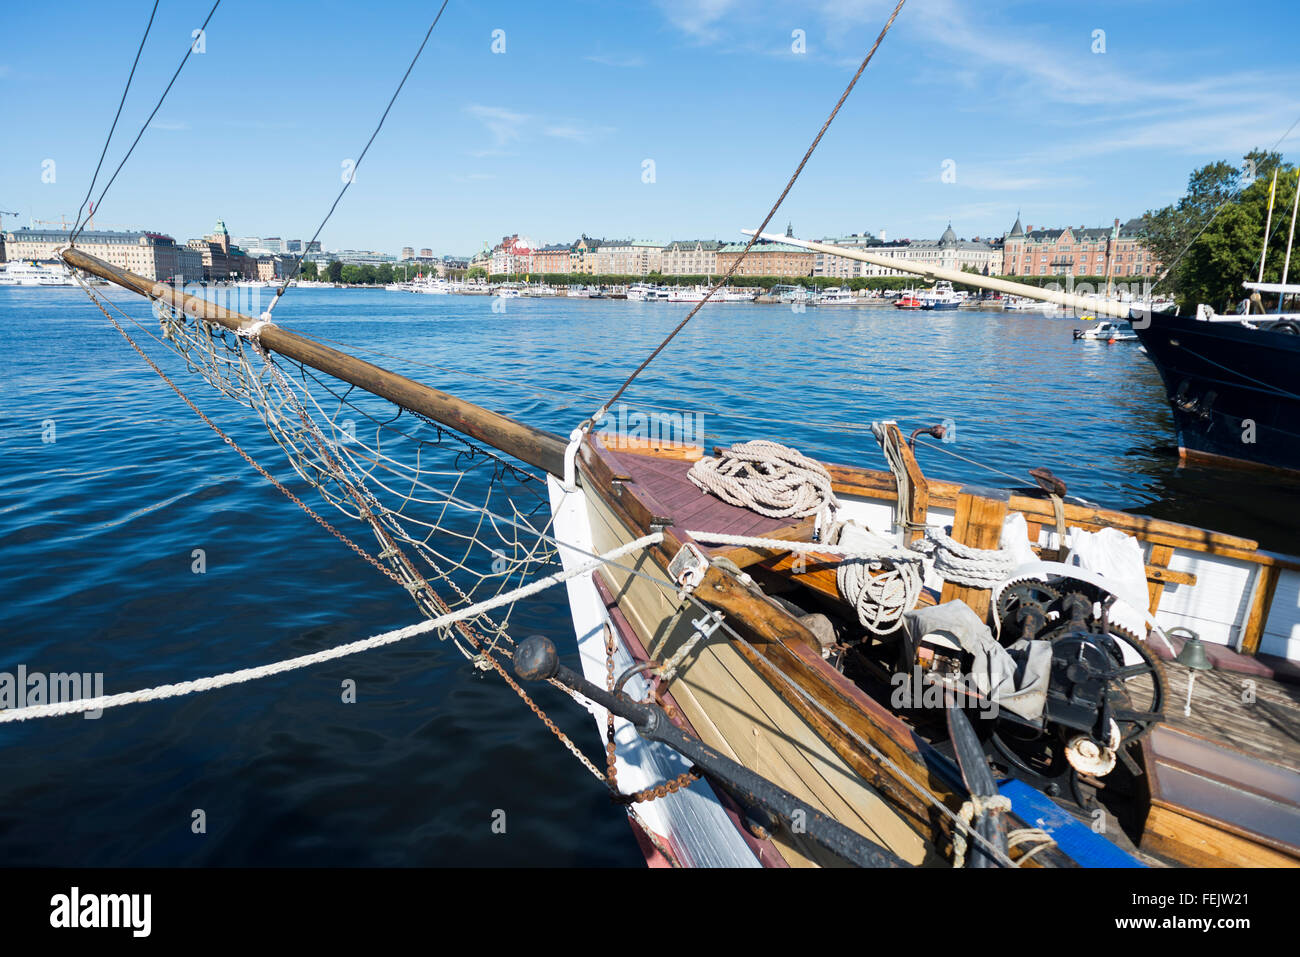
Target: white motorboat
{"type": "Point", "coordinates": [1108, 330]}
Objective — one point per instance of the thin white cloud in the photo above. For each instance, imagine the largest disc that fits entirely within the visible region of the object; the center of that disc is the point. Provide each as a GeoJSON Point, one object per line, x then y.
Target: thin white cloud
{"type": "Point", "coordinates": [577, 133]}
{"type": "Point", "coordinates": [506, 126]}
{"type": "Point", "coordinates": [697, 18]}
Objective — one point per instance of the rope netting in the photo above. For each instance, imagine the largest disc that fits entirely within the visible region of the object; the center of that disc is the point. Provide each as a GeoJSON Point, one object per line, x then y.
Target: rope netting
{"type": "Point", "coordinates": [402, 474]}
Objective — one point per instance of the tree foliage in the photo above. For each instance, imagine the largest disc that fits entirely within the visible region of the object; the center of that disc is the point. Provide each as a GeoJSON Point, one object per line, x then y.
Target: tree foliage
{"type": "Point", "coordinates": [1210, 240]}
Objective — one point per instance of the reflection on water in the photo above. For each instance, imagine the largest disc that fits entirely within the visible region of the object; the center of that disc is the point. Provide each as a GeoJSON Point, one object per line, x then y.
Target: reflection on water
{"type": "Point", "coordinates": [97, 529]}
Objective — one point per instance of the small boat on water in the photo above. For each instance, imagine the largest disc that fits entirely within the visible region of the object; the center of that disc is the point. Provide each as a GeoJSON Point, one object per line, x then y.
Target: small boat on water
{"type": "Point", "coordinates": [794, 294]}
{"type": "Point", "coordinates": [909, 301]}
{"type": "Point", "coordinates": [1108, 330]}
{"type": "Point", "coordinates": [942, 297]}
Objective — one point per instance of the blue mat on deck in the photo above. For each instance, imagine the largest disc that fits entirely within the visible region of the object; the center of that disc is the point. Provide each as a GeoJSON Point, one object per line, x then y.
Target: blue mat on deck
{"type": "Point", "coordinates": [1076, 839]}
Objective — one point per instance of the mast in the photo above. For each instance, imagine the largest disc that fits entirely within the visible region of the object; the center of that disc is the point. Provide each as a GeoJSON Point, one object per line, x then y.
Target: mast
{"type": "Point", "coordinates": [535, 447]}
{"type": "Point", "coordinates": [1268, 226]}
{"type": "Point", "coordinates": [1286, 264]}
{"type": "Point", "coordinates": [1071, 300]}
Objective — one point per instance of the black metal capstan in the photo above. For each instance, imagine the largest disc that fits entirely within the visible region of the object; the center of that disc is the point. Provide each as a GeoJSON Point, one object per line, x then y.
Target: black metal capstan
{"type": "Point", "coordinates": [536, 660]}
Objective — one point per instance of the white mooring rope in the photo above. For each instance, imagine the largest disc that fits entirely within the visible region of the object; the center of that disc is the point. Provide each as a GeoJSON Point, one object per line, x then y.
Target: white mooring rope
{"type": "Point", "coordinates": [879, 599]}
{"type": "Point", "coordinates": [964, 565]}
{"type": "Point", "coordinates": [339, 651]}
{"type": "Point", "coordinates": [766, 477]}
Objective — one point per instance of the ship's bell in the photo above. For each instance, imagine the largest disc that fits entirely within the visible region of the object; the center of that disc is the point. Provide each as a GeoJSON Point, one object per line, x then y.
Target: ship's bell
{"type": "Point", "coordinates": [1193, 655]}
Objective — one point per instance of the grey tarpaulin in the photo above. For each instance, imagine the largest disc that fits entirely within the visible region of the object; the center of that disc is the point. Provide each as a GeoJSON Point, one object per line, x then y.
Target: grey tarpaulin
{"type": "Point", "coordinates": [1020, 688]}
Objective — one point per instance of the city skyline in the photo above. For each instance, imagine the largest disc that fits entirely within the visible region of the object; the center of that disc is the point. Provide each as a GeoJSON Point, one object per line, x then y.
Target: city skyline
{"type": "Point", "coordinates": [955, 120]}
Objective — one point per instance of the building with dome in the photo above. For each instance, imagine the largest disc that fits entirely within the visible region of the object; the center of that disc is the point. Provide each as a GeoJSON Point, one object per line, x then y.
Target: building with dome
{"type": "Point", "coordinates": [948, 251]}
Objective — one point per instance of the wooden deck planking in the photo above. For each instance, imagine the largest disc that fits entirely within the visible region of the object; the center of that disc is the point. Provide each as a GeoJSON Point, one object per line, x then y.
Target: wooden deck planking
{"type": "Point", "coordinates": [1267, 727]}
{"type": "Point", "coordinates": [665, 481]}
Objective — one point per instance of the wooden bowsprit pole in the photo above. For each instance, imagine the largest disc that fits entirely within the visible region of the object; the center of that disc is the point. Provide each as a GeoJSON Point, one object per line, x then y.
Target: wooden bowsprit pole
{"type": "Point", "coordinates": [1090, 304]}
{"type": "Point", "coordinates": [535, 447]}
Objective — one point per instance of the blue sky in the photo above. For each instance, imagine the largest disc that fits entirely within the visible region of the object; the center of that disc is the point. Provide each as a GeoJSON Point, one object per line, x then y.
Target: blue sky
{"type": "Point", "coordinates": [549, 138]}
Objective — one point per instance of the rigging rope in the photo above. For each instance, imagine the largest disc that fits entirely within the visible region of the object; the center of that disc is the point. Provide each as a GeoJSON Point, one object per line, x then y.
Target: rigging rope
{"type": "Point", "coordinates": [352, 176]}
{"type": "Point", "coordinates": [965, 565]}
{"type": "Point", "coordinates": [160, 692]}
{"type": "Point", "coordinates": [766, 220]}
{"type": "Point", "coordinates": [185, 59]}
{"type": "Point", "coordinates": [104, 152]}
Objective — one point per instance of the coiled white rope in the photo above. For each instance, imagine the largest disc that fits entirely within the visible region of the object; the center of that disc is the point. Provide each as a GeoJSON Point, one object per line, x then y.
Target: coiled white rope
{"type": "Point", "coordinates": [964, 565]}
{"type": "Point", "coordinates": [766, 477]}
{"type": "Point", "coordinates": [880, 591]}
{"type": "Point", "coordinates": [880, 599]}
{"type": "Point", "coordinates": [160, 692]}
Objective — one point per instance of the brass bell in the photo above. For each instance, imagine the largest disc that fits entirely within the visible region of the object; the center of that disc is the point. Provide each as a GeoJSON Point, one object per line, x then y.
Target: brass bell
{"type": "Point", "coordinates": [1193, 655]}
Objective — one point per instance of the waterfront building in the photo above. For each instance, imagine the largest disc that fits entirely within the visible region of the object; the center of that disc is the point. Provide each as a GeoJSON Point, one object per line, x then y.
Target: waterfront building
{"type": "Point", "coordinates": [360, 257]}
{"type": "Point", "coordinates": [583, 255]}
{"type": "Point", "coordinates": [948, 251]}
{"type": "Point", "coordinates": [826, 264]}
{"type": "Point", "coordinates": [691, 257]}
{"type": "Point", "coordinates": [511, 255]}
{"type": "Point", "coordinates": [1079, 251]}
{"type": "Point", "coordinates": [149, 254]}
{"type": "Point", "coordinates": [628, 257]}
{"type": "Point", "coordinates": [426, 253]}
{"type": "Point", "coordinates": [552, 259]}
{"type": "Point", "coordinates": [767, 259]}
{"type": "Point", "coordinates": [222, 258]}
{"type": "Point", "coordinates": [408, 252]}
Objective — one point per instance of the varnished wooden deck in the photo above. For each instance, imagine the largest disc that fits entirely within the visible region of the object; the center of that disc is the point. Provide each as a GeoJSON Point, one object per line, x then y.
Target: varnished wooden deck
{"type": "Point", "coordinates": [1258, 716]}
{"type": "Point", "coordinates": [662, 485]}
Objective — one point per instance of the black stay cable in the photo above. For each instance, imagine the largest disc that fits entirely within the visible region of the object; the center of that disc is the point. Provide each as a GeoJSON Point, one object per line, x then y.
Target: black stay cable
{"type": "Point", "coordinates": [772, 212]}
{"type": "Point", "coordinates": [104, 152]}
{"type": "Point", "coordinates": [188, 50]}
{"type": "Point", "coordinates": [352, 174]}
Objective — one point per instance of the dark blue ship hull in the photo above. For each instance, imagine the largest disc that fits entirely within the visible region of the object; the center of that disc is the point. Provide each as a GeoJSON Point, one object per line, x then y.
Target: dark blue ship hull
{"type": "Point", "coordinates": [1234, 391]}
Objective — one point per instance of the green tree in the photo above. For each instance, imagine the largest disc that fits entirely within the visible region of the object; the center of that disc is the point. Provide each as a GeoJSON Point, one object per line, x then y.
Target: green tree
{"type": "Point", "coordinates": [478, 272]}
{"type": "Point", "coordinates": [334, 271]}
{"type": "Point", "coordinates": [1210, 239]}
{"type": "Point", "coordinates": [308, 271]}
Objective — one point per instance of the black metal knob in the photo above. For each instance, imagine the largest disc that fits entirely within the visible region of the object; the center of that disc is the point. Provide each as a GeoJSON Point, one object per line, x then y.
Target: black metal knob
{"type": "Point", "coordinates": [536, 659]}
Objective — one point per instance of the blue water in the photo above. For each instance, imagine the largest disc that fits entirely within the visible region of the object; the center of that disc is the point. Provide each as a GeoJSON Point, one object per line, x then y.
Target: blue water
{"type": "Point", "coordinates": [97, 530]}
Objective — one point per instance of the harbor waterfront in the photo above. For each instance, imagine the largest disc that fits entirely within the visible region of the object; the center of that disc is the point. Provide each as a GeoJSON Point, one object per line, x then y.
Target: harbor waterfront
{"type": "Point", "coordinates": [137, 547]}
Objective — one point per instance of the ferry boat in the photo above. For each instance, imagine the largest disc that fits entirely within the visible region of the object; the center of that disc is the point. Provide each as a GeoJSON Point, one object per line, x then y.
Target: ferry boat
{"type": "Point", "coordinates": [835, 296]}
{"type": "Point", "coordinates": [646, 292]}
{"type": "Point", "coordinates": [698, 293]}
{"type": "Point", "coordinates": [23, 273]}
